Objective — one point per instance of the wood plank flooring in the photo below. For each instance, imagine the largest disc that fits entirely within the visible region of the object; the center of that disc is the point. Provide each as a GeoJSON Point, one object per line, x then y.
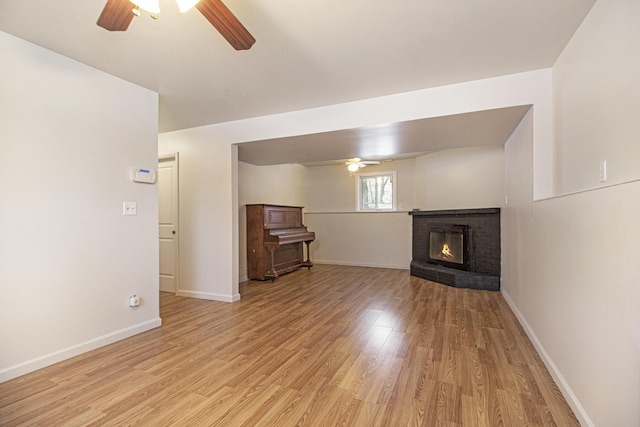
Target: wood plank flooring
{"type": "Point", "coordinates": [334, 346]}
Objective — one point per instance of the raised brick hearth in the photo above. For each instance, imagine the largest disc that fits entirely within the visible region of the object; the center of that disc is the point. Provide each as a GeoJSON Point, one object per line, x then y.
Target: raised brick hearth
{"type": "Point", "coordinates": [482, 268]}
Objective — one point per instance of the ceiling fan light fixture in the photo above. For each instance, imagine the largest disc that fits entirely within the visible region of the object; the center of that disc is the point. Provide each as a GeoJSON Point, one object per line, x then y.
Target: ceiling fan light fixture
{"type": "Point", "coordinates": [185, 5]}
{"type": "Point", "coordinates": [357, 163]}
{"type": "Point", "coordinates": [152, 6]}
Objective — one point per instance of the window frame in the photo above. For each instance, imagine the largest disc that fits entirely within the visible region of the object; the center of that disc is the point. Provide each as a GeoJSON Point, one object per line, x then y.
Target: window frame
{"type": "Point", "coordinates": [394, 195]}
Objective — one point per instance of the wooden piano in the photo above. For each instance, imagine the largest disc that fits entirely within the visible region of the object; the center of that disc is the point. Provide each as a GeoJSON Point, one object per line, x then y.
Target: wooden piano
{"type": "Point", "coordinates": [275, 235]}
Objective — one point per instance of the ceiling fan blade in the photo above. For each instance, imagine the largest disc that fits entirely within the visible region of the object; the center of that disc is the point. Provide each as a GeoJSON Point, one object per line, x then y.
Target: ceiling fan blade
{"type": "Point", "coordinates": [116, 15]}
{"type": "Point", "coordinates": [226, 23]}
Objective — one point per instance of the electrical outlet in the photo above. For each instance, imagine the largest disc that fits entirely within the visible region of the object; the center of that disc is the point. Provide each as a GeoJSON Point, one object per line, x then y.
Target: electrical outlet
{"type": "Point", "coordinates": [134, 301]}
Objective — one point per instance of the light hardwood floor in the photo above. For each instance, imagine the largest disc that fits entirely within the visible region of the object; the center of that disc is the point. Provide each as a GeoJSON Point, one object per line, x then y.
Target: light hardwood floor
{"type": "Point", "coordinates": [334, 346]}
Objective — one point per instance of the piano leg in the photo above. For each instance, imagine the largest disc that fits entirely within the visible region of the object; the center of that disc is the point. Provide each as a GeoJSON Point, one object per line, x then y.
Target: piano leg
{"type": "Point", "coordinates": [271, 273]}
{"type": "Point", "coordinates": [308, 262]}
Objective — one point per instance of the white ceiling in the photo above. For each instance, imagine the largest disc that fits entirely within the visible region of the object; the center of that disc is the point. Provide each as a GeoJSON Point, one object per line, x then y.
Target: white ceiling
{"type": "Point", "coordinates": [308, 54]}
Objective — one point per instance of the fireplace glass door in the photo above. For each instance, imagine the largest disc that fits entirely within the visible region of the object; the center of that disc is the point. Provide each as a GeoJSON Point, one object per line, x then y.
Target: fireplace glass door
{"type": "Point", "coordinates": [447, 247]}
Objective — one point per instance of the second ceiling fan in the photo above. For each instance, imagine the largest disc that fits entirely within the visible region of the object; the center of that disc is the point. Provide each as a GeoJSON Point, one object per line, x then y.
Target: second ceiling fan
{"type": "Point", "coordinates": [356, 163]}
{"type": "Point", "coordinates": [117, 15]}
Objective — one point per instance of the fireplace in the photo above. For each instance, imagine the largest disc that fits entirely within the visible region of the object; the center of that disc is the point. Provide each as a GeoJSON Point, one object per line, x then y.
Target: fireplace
{"type": "Point", "coordinates": [459, 248]}
{"type": "Point", "coordinates": [447, 246]}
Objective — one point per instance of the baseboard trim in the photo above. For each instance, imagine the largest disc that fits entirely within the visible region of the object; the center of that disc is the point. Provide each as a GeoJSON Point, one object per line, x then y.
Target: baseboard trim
{"type": "Point", "coordinates": [209, 296]}
{"type": "Point", "coordinates": [32, 365]}
{"type": "Point", "coordinates": [359, 264]}
{"type": "Point", "coordinates": [571, 398]}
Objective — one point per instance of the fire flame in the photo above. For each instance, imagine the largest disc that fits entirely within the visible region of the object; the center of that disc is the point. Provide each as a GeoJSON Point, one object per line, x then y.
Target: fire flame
{"type": "Point", "coordinates": [445, 253]}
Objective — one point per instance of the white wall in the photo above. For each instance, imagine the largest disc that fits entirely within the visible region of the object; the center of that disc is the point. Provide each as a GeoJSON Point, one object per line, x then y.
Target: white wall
{"type": "Point", "coordinates": [570, 272]}
{"type": "Point", "coordinates": [347, 237]}
{"type": "Point", "coordinates": [461, 178]}
{"type": "Point", "coordinates": [208, 225]}
{"type": "Point", "coordinates": [69, 258]}
{"type": "Point", "coordinates": [570, 264]}
{"type": "Point", "coordinates": [276, 185]}
{"type": "Point", "coordinates": [596, 95]}
{"type": "Point", "coordinates": [363, 239]}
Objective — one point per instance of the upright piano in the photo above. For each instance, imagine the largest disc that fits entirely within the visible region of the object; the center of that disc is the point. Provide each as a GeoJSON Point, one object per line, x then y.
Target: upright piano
{"type": "Point", "coordinates": [275, 237]}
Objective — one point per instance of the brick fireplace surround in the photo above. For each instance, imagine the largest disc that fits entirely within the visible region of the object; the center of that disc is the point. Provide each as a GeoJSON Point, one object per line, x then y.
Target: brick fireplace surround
{"type": "Point", "coordinates": [483, 247]}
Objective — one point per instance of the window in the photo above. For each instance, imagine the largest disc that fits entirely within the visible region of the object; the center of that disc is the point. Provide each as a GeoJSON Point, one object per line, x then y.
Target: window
{"type": "Point", "coordinates": [376, 191]}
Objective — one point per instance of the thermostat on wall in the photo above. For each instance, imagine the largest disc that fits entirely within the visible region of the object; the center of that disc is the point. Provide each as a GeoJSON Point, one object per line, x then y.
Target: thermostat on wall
{"type": "Point", "coordinates": [144, 175]}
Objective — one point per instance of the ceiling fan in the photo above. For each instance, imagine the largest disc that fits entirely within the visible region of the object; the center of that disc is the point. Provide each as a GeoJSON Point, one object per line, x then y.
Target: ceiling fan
{"type": "Point", "coordinates": [117, 15]}
{"type": "Point", "coordinates": [356, 163]}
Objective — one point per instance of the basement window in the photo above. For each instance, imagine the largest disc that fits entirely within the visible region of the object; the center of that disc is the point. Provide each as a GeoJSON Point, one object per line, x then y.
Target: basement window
{"type": "Point", "coordinates": [376, 191]}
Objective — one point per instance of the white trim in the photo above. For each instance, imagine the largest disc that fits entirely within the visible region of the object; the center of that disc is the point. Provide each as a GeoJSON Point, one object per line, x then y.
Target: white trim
{"type": "Point", "coordinates": [566, 391]}
{"type": "Point", "coordinates": [209, 296]}
{"type": "Point", "coordinates": [75, 350]}
{"type": "Point", "coordinates": [360, 264]}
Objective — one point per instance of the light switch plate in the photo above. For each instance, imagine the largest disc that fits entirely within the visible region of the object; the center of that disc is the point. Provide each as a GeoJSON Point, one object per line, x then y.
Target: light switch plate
{"type": "Point", "coordinates": [129, 208]}
{"type": "Point", "coordinates": [603, 171]}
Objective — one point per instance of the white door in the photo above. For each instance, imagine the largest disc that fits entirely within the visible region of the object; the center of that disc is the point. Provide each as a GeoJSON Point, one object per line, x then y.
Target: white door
{"type": "Point", "coordinates": [168, 221]}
